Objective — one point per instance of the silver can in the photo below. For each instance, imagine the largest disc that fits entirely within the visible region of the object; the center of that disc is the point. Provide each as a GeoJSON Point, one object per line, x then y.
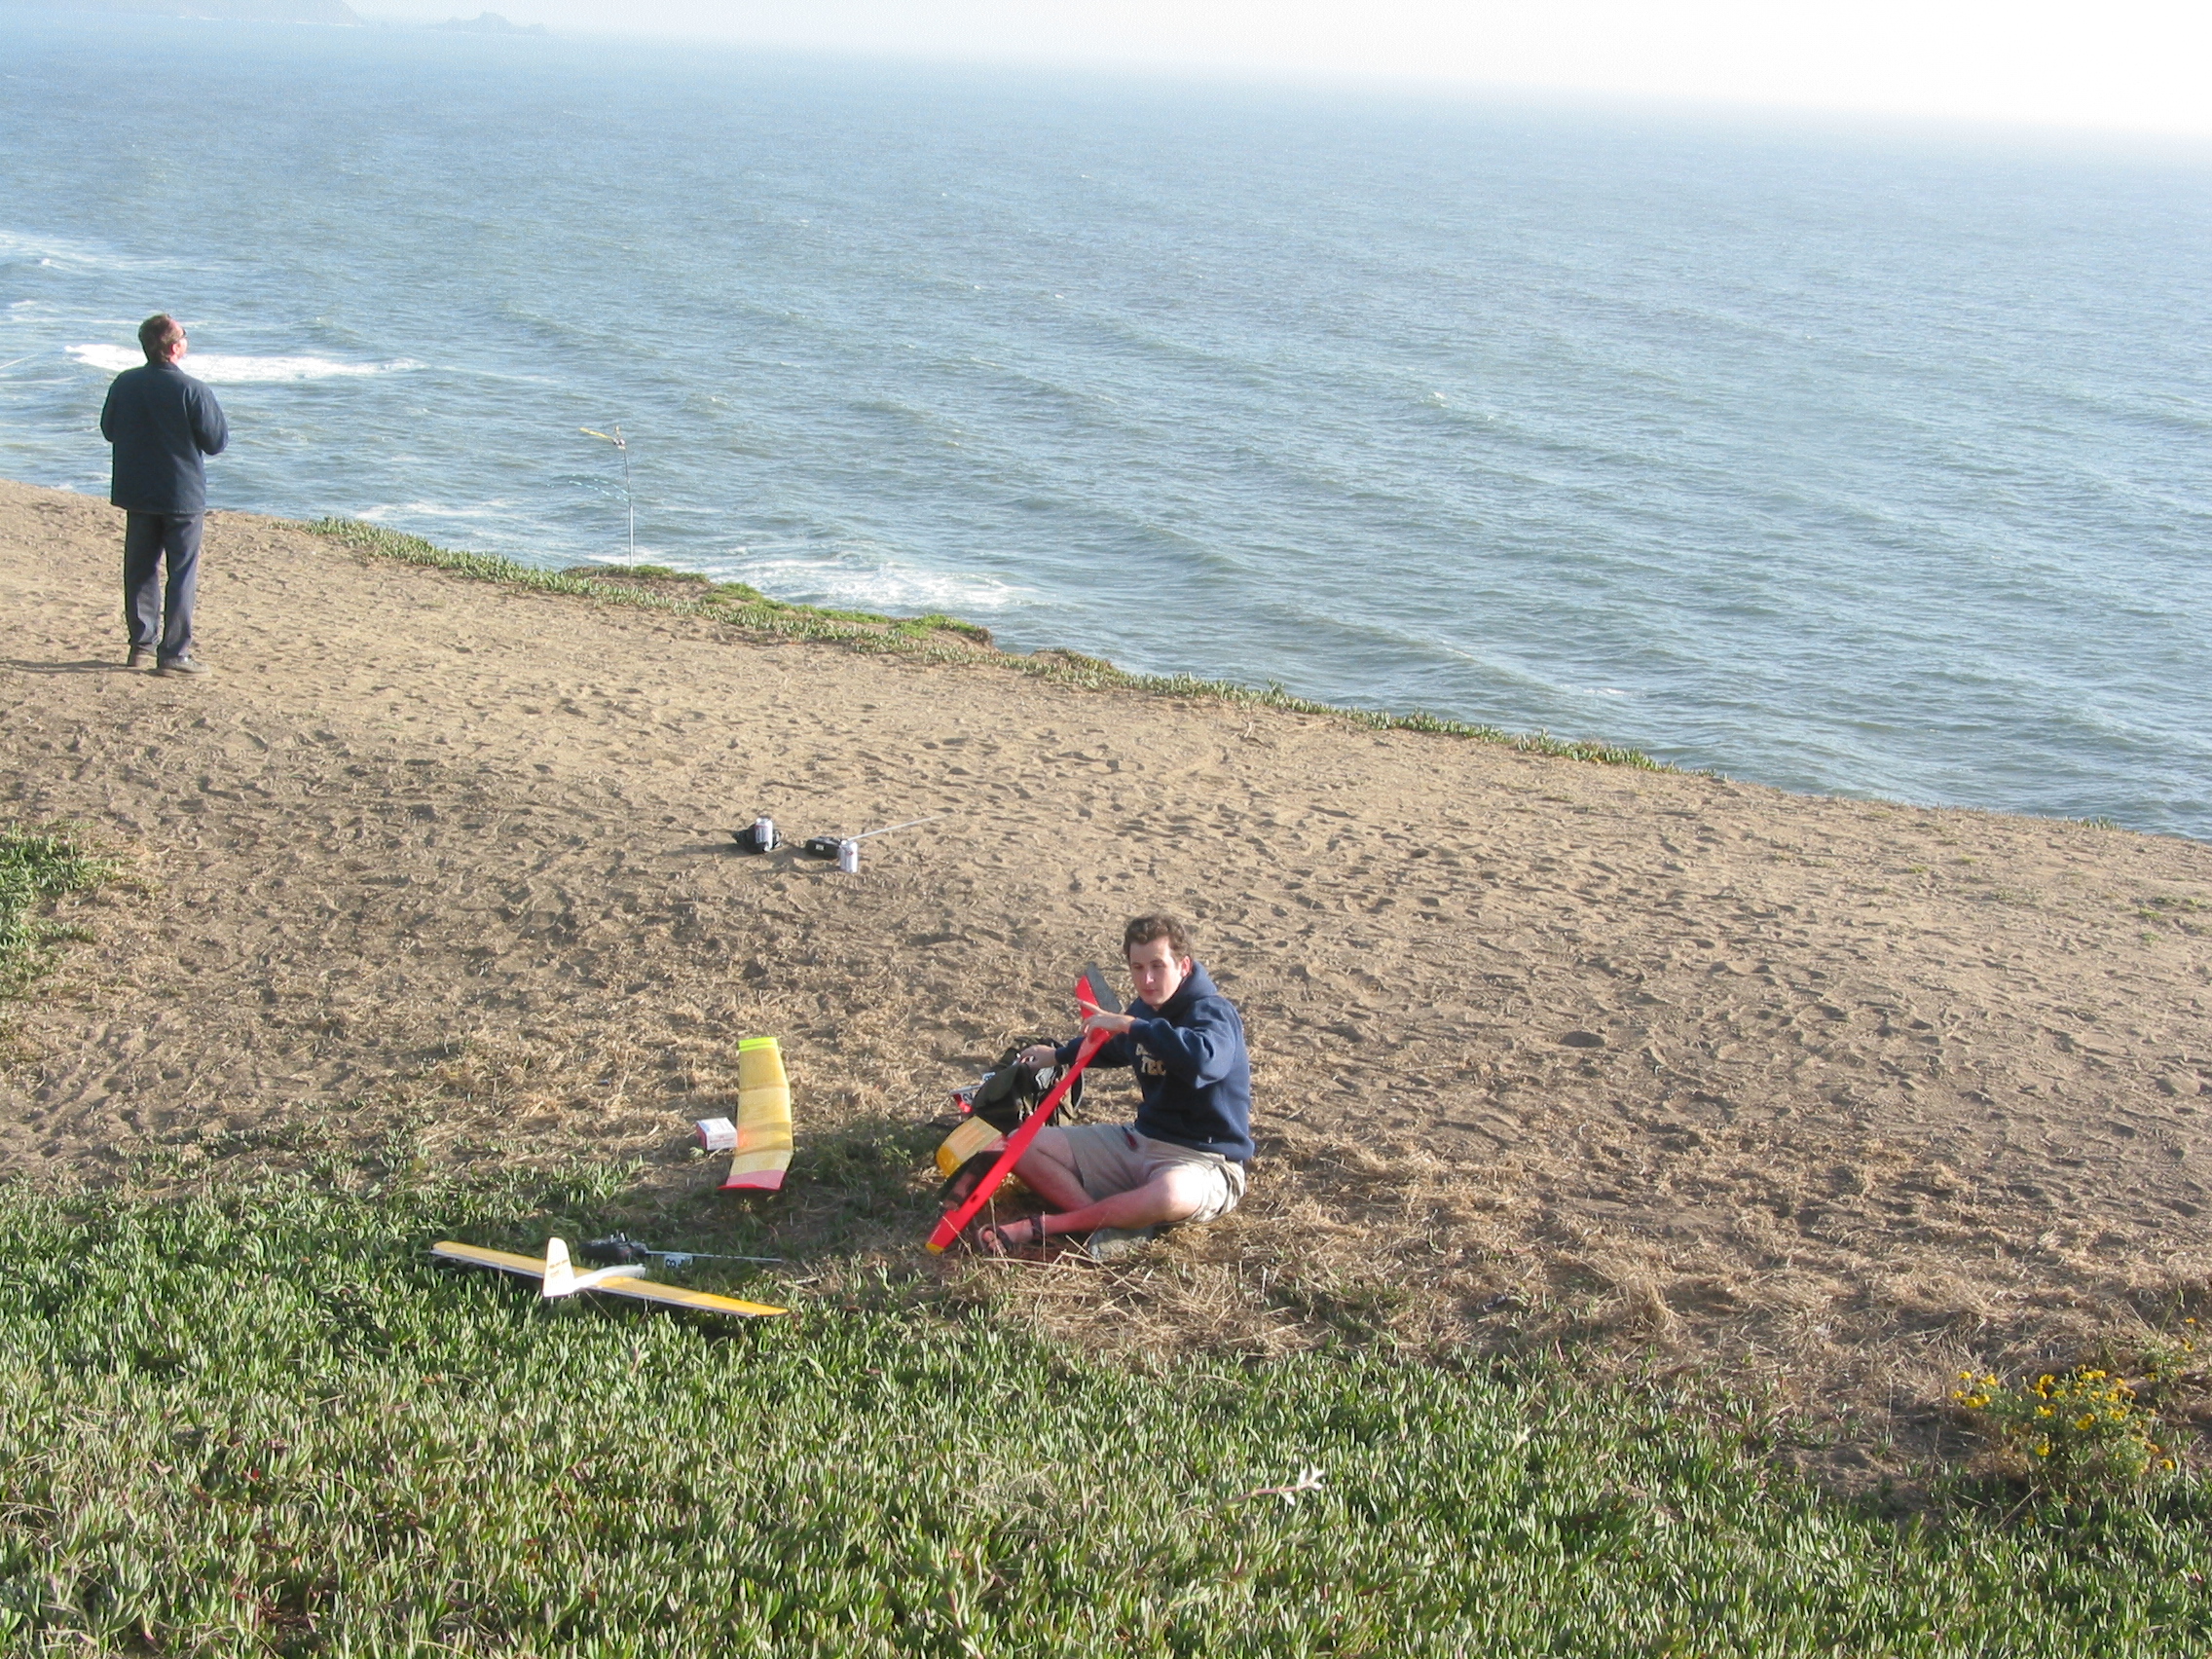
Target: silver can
{"type": "Point", "coordinates": [849, 857]}
{"type": "Point", "coordinates": [763, 834]}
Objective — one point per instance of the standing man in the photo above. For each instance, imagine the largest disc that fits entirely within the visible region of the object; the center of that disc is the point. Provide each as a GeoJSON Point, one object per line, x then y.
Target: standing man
{"type": "Point", "coordinates": [161, 421]}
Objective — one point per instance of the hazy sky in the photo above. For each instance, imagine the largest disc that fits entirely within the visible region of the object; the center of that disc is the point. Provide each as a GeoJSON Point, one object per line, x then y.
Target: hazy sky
{"type": "Point", "coordinates": [2113, 64]}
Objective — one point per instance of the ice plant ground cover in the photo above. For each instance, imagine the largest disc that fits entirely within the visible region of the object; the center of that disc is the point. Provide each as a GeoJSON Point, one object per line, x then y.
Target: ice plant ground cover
{"type": "Point", "coordinates": [259, 1421]}
{"type": "Point", "coordinates": [37, 863]}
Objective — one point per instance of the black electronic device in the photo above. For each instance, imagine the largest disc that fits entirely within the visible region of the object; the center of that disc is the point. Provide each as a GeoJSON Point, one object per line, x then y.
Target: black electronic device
{"type": "Point", "coordinates": [758, 836]}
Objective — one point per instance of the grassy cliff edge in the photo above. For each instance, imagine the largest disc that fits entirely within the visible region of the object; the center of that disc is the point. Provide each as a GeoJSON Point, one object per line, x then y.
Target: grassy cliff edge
{"type": "Point", "coordinates": [932, 637]}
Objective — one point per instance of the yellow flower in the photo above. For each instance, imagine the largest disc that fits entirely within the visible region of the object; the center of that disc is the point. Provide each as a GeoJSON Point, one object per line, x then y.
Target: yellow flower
{"type": "Point", "coordinates": [2089, 1420]}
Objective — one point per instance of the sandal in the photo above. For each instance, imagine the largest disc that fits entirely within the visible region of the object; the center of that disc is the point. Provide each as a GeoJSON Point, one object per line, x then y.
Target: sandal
{"type": "Point", "coordinates": [1002, 1240]}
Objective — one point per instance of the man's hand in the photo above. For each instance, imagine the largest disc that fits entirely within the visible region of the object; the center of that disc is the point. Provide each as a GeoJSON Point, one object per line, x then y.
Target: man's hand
{"type": "Point", "coordinates": [1044, 1055]}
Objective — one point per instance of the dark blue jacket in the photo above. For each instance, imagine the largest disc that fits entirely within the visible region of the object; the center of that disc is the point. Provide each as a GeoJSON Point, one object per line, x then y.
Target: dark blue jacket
{"type": "Point", "coordinates": [161, 422]}
{"type": "Point", "coordinates": [1191, 1064]}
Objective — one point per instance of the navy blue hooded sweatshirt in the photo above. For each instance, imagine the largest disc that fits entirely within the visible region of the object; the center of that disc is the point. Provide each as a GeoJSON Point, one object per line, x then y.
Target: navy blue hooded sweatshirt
{"type": "Point", "coordinates": [1191, 1067]}
{"type": "Point", "coordinates": [161, 422]}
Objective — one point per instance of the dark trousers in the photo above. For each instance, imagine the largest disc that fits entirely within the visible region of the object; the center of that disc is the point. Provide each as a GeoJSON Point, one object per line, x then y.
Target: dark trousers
{"type": "Point", "coordinates": [155, 614]}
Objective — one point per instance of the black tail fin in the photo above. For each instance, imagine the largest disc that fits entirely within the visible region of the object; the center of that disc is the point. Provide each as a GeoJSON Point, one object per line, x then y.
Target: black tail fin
{"type": "Point", "coordinates": [1102, 995]}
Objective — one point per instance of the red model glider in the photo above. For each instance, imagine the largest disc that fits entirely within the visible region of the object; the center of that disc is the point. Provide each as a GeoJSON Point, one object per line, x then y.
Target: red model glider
{"type": "Point", "coordinates": [1091, 996]}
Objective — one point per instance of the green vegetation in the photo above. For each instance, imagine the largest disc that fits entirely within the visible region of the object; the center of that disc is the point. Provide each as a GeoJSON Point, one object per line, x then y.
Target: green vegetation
{"type": "Point", "coordinates": [2174, 909]}
{"type": "Point", "coordinates": [636, 572]}
{"type": "Point", "coordinates": [926, 636]}
{"type": "Point", "coordinates": [263, 1423]}
{"type": "Point", "coordinates": [36, 866]}
{"type": "Point", "coordinates": [731, 601]}
{"type": "Point", "coordinates": [2084, 1426]}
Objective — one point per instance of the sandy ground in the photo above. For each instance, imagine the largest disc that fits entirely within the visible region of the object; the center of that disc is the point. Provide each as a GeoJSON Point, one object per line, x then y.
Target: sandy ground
{"type": "Point", "coordinates": [1847, 1092]}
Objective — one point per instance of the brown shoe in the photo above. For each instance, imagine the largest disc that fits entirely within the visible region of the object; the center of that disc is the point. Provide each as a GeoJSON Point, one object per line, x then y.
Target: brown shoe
{"type": "Point", "coordinates": [138, 654]}
{"type": "Point", "coordinates": [183, 665]}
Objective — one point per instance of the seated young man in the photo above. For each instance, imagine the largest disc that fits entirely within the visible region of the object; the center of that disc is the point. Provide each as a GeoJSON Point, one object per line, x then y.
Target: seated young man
{"type": "Point", "coordinates": [1184, 1157]}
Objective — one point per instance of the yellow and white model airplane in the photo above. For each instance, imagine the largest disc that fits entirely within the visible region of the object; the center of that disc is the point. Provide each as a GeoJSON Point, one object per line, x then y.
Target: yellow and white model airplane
{"type": "Point", "coordinates": [557, 1276]}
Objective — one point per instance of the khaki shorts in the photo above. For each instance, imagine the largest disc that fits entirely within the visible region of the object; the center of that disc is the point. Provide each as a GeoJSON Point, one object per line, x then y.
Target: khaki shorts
{"type": "Point", "coordinates": [1113, 1157]}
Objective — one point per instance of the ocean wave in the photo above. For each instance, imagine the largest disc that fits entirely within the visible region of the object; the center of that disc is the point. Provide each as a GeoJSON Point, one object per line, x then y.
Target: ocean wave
{"type": "Point", "coordinates": [859, 581]}
{"type": "Point", "coordinates": [475, 511]}
{"type": "Point", "coordinates": [223, 369]}
{"type": "Point", "coordinates": [57, 253]}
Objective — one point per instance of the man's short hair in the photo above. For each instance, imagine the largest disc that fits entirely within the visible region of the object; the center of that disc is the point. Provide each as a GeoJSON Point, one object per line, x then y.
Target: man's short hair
{"type": "Point", "coordinates": [158, 333]}
{"type": "Point", "coordinates": [1143, 930]}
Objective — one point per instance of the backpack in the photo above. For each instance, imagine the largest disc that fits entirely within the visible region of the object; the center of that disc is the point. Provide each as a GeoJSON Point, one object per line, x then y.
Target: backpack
{"type": "Point", "coordinates": [1001, 1103]}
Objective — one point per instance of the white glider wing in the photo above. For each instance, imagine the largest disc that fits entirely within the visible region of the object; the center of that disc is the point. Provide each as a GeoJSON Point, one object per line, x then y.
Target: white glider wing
{"type": "Point", "coordinates": [556, 1276]}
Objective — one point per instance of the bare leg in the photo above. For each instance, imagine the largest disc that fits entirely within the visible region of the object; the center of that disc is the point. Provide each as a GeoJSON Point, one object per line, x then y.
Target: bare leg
{"type": "Point", "coordinates": [1047, 1169]}
{"type": "Point", "coordinates": [1173, 1194]}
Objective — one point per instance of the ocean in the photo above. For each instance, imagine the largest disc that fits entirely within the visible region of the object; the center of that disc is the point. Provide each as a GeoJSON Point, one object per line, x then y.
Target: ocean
{"type": "Point", "coordinates": [1860, 461]}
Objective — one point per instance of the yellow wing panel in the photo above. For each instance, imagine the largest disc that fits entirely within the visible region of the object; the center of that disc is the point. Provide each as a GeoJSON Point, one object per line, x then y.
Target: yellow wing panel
{"type": "Point", "coordinates": [675, 1296]}
{"type": "Point", "coordinates": [957, 1148]}
{"type": "Point", "coordinates": [763, 1117]}
{"type": "Point", "coordinates": [506, 1261]}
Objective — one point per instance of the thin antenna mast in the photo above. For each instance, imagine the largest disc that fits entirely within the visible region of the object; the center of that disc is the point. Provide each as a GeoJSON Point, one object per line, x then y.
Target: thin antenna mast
{"type": "Point", "coordinates": [629, 499]}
